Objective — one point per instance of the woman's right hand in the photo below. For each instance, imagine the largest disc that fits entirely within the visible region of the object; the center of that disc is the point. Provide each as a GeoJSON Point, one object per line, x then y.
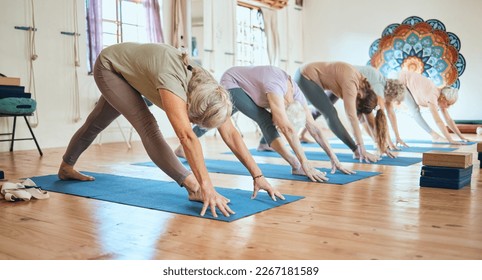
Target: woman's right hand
{"type": "Point", "coordinates": [210, 198]}
{"type": "Point", "coordinates": [400, 142]}
{"type": "Point", "coordinates": [363, 155]}
{"type": "Point", "coordinates": [314, 174]}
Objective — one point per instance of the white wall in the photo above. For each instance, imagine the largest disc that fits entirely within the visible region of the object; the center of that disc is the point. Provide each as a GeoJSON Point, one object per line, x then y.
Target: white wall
{"type": "Point", "coordinates": [343, 30]}
{"type": "Point", "coordinates": [54, 72]}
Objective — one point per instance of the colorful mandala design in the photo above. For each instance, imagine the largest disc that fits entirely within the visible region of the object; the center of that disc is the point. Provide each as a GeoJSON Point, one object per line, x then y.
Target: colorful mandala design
{"type": "Point", "coordinates": [420, 46]}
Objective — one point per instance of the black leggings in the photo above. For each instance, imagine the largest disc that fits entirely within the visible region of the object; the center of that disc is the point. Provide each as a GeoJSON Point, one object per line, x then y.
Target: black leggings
{"type": "Point", "coordinates": [319, 98]}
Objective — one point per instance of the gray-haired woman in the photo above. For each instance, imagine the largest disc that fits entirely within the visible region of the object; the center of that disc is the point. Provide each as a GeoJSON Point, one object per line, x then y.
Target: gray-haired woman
{"type": "Point", "coordinates": [124, 74]}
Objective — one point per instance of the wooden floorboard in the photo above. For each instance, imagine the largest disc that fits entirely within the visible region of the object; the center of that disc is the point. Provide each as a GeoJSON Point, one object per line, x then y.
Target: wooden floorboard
{"type": "Point", "coordinates": [384, 217]}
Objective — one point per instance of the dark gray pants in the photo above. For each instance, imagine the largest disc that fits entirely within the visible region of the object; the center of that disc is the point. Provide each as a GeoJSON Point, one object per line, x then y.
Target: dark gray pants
{"type": "Point", "coordinates": [118, 97]}
{"type": "Point", "coordinates": [319, 98]}
{"type": "Point", "coordinates": [243, 103]}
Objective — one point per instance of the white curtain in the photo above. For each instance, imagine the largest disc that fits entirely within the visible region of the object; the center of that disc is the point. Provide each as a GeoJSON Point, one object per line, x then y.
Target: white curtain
{"type": "Point", "coordinates": [270, 18]}
{"type": "Point", "coordinates": [179, 24]}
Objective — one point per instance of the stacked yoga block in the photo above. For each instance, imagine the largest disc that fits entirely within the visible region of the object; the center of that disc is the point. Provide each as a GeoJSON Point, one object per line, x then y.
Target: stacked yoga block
{"type": "Point", "coordinates": [449, 170]}
{"type": "Point", "coordinates": [479, 151]}
{"type": "Point", "coordinates": [13, 98]}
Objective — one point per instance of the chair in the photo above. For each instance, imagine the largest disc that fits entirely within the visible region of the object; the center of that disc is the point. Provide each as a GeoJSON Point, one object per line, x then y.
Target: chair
{"type": "Point", "coordinates": [12, 134]}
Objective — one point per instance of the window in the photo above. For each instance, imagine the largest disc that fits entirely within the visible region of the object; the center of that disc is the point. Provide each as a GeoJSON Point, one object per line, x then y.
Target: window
{"type": "Point", "coordinates": [251, 39]}
{"type": "Point", "coordinates": [115, 21]}
{"type": "Point", "coordinates": [123, 21]}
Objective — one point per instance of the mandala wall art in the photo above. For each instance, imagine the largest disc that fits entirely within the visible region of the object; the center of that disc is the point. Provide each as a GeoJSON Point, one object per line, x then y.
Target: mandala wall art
{"type": "Point", "coordinates": [420, 46]}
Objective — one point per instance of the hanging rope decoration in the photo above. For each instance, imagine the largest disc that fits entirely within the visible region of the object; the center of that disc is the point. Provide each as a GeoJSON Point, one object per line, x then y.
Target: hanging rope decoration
{"type": "Point", "coordinates": [76, 65]}
{"type": "Point", "coordinates": [75, 35]}
{"type": "Point", "coordinates": [33, 57]}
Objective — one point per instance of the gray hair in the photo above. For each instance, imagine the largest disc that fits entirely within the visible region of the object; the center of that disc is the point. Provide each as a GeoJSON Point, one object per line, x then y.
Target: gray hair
{"type": "Point", "coordinates": [451, 94]}
{"type": "Point", "coordinates": [208, 104]}
{"type": "Point", "coordinates": [296, 115]}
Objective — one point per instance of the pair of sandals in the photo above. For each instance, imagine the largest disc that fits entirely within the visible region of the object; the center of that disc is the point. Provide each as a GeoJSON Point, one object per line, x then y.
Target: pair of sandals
{"type": "Point", "coordinates": [23, 191]}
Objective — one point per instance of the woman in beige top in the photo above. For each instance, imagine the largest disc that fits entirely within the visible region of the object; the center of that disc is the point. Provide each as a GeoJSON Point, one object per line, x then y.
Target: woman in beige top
{"type": "Point", "coordinates": [188, 94]}
{"type": "Point", "coordinates": [359, 101]}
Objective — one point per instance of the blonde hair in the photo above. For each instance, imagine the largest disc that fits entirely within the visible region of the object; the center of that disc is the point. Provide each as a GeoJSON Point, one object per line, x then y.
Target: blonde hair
{"type": "Point", "coordinates": [394, 91]}
{"type": "Point", "coordinates": [296, 115]}
{"type": "Point", "coordinates": [208, 103]}
{"type": "Point", "coordinates": [450, 94]}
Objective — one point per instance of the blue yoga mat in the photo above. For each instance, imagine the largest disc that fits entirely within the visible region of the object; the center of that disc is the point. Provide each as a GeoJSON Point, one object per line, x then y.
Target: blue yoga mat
{"type": "Point", "coordinates": [316, 155]}
{"type": "Point", "coordinates": [159, 195]}
{"type": "Point", "coordinates": [371, 147]}
{"type": "Point", "coordinates": [274, 171]}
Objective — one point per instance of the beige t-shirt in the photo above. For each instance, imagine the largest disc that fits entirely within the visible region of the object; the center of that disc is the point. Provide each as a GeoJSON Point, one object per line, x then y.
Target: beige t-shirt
{"type": "Point", "coordinates": [339, 77]}
{"type": "Point", "coordinates": [148, 67]}
{"type": "Point", "coordinates": [423, 90]}
{"type": "Point", "coordinates": [343, 80]}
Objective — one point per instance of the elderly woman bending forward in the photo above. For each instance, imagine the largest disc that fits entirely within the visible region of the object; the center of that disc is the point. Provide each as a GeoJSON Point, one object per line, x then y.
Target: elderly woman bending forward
{"type": "Point", "coordinates": [126, 72]}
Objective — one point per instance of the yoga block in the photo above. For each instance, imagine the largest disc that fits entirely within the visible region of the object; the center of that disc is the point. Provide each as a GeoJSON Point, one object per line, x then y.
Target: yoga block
{"type": "Point", "coordinates": [9, 81]}
{"type": "Point", "coordinates": [447, 159]}
{"type": "Point", "coordinates": [444, 183]}
{"type": "Point", "coordinates": [479, 147]}
{"type": "Point", "coordinates": [2, 175]}
{"type": "Point", "coordinates": [446, 172]}
{"type": "Point", "coordinates": [480, 156]}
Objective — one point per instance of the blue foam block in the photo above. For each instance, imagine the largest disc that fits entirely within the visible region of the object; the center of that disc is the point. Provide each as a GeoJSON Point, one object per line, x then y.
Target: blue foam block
{"type": "Point", "coordinates": [444, 183]}
{"type": "Point", "coordinates": [2, 175]}
{"type": "Point", "coordinates": [159, 195]}
{"type": "Point", "coordinates": [446, 172]}
{"type": "Point", "coordinates": [479, 157]}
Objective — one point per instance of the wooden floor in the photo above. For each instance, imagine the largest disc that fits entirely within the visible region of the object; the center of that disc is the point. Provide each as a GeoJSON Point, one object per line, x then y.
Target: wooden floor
{"type": "Point", "coordinates": [384, 217]}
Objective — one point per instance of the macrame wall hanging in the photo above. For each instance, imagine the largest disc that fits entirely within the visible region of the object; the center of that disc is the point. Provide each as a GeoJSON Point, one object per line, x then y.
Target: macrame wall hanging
{"type": "Point", "coordinates": [425, 47]}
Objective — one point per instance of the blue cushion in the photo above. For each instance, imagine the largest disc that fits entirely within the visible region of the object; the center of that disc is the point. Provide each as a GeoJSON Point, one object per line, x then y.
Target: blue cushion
{"type": "Point", "coordinates": [15, 106]}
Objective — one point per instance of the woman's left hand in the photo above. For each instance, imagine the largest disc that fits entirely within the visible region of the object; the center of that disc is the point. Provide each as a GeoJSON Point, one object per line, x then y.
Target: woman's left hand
{"type": "Point", "coordinates": [260, 183]}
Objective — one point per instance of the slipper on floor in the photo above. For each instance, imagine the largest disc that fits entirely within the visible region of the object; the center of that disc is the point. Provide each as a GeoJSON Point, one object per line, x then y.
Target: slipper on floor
{"type": "Point", "coordinates": [17, 195]}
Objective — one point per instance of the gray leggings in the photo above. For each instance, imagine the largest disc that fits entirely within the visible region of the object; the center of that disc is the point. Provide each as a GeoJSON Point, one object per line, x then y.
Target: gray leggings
{"type": "Point", "coordinates": [118, 97]}
{"type": "Point", "coordinates": [318, 97]}
{"type": "Point", "coordinates": [243, 103]}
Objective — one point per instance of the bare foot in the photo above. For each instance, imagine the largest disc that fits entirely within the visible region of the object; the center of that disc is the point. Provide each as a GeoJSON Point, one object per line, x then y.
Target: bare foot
{"type": "Point", "coordinates": [67, 172]}
{"type": "Point", "coordinates": [180, 152]}
{"type": "Point", "coordinates": [306, 139]}
{"type": "Point", "coordinates": [192, 188]}
{"type": "Point", "coordinates": [264, 147]}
